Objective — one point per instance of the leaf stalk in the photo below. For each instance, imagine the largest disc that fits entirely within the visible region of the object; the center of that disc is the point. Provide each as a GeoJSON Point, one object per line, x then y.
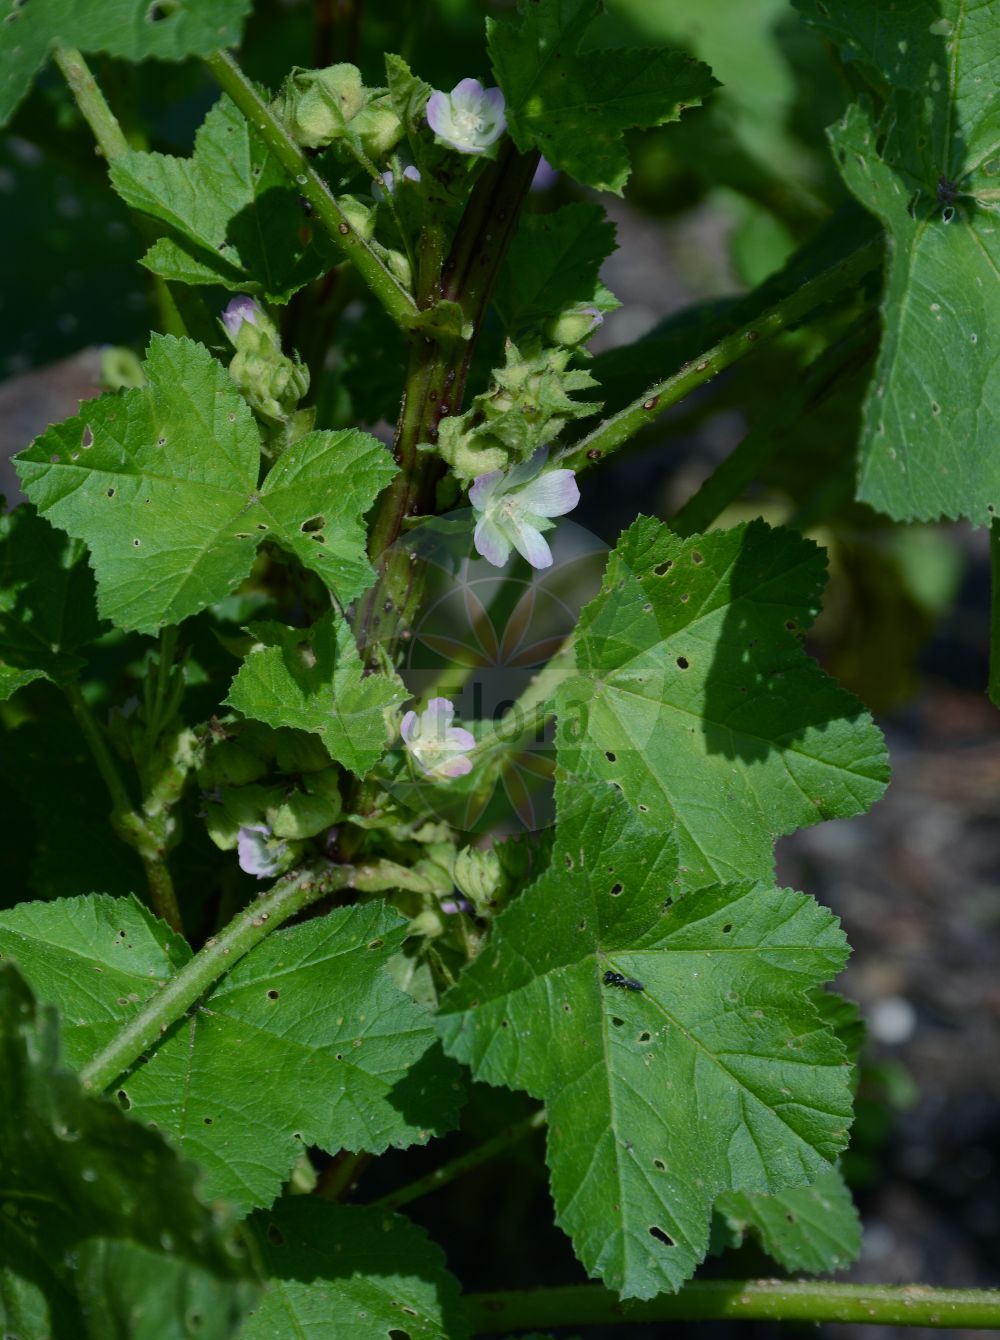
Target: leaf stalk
{"type": "Point", "coordinates": [612, 433]}
{"type": "Point", "coordinates": [740, 1300]}
{"type": "Point", "coordinates": [246, 930]}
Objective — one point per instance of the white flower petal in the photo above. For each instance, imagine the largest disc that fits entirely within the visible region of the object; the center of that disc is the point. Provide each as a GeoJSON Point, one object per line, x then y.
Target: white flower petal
{"type": "Point", "coordinates": [459, 766]}
{"type": "Point", "coordinates": [529, 542]}
{"type": "Point", "coordinates": [408, 727]}
{"type": "Point", "coordinates": [552, 494]}
{"type": "Point", "coordinates": [484, 489]}
{"type": "Point", "coordinates": [435, 720]}
{"type": "Point", "coordinates": [468, 93]}
{"type": "Point", "coordinates": [491, 542]}
{"type": "Point", "coordinates": [459, 738]}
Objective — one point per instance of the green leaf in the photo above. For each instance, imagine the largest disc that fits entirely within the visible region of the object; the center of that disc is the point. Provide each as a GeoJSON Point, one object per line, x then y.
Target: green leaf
{"type": "Point", "coordinates": [47, 610]}
{"type": "Point", "coordinates": [695, 697]}
{"type": "Point", "coordinates": [812, 1228]}
{"type": "Point", "coordinates": [554, 263]}
{"type": "Point", "coordinates": [927, 165]}
{"type": "Point", "coordinates": [312, 679]}
{"type": "Point", "coordinates": [161, 484]}
{"type": "Point", "coordinates": [306, 1041]}
{"type": "Point", "coordinates": [718, 1075]}
{"type": "Point", "coordinates": [233, 217]}
{"type": "Point", "coordinates": [351, 1272]}
{"type": "Point", "coordinates": [134, 29]}
{"type": "Point", "coordinates": [83, 1184]}
{"type": "Point", "coordinates": [575, 105]}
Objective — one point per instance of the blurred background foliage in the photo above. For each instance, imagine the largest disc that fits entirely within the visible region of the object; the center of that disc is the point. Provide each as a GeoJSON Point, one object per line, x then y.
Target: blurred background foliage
{"type": "Point", "coordinates": [717, 205]}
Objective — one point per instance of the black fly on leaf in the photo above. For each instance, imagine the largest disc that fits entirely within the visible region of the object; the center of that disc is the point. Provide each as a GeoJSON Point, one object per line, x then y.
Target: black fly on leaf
{"type": "Point", "coordinates": [626, 983]}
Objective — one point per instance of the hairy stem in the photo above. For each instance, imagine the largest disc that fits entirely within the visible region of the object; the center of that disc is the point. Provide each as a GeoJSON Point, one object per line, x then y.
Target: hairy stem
{"type": "Point", "coordinates": [612, 433]}
{"type": "Point", "coordinates": [179, 314]}
{"type": "Point", "coordinates": [824, 376]}
{"type": "Point", "coordinates": [92, 103]}
{"type": "Point", "coordinates": [375, 273]}
{"type": "Point", "coordinates": [740, 1300]}
{"type": "Point", "coordinates": [126, 820]}
{"type": "Point", "coordinates": [456, 1167]}
{"type": "Point", "coordinates": [264, 915]}
{"type": "Point", "coordinates": [437, 374]}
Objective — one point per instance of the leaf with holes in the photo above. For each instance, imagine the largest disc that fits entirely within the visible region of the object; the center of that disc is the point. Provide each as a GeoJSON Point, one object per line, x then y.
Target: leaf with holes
{"type": "Point", "coordinates": [674, 1042]}
{"type": "Point", "coordinates": [695, 697]}
{"type": "Point", "coordinates": [810, 1228]}
{"type": "Point", "coordinates": [554, 263]}
{"type": "Point", "coordinates": [273, 1059]}
{"type": "Point", "coordinates": [161, 484]}
{"type": "Point", "coordinates": [313, 679]}
{"type": "Point", "coordinates": [927, 163]}
{"type": "Point", "coordinates": [81, 1183]}
{"type": "Point", "coordinates": [575, 104]}
{"type": "Point", "coordinates": [47, 610]}
{"type": "Point", "coordinates": [232, 216]}
{"type": "Point", "coordinates": [133, 29]}
{"type": "Point", "coordinates": [351, 1272]}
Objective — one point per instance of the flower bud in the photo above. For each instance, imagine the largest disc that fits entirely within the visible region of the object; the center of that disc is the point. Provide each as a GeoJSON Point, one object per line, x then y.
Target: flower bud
{"type": "Point", "coordinates": [428, 924]}
{"type": "Point", "coordinates": [378, 127]}
{"type": "Point", "coordinates": [303, 816]}
{"type": "Point", "coordinates": [316, 105]}
{"type": "Point", "coordinates": [477, 875]}
{"type": "Point", "coordinates": [574, 325]}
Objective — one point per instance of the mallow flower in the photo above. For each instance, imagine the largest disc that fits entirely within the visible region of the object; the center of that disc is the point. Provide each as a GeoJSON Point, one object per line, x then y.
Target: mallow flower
{"type": "Point", "coordinates": [239, 309]}
{"type": "Point", "coordinates": [388, 186]}
{"type": "Point", "coordinates": [258, 855]}
{"type": "Point", "coordinates": [470, 118]}
{"type": "Point", "coordinates": [513, 507]}
{"type": "Point", "coordinates": [436, 746]}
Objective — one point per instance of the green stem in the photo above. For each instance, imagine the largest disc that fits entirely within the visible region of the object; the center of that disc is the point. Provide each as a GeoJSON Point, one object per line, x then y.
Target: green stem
{"type": "Point", "coordinates": [128, 823]}
{"type": "Point", "coordinates": [338, 1180]}
{"type": "Point", "coordinates": [436, 377]}
{"type": "Point", "coordinates": [740, 1300]}
{"type": "Point", "coordinates": [993, 685]}
{"type": "Point", "coordinates": [464, 1163]}
{"type": "Point", "coordinates": [614, 432]}
{"type": "Point", "coordinates": [824, 376]}
{"type": "Point", "coordinates": [121, 802]}
{"type": "Point", "coordinates": [376, 274]}
{"type": "Point", "coordinates": [92, 103]}
{"type": "Point", "coordinates": [264, 915]}
{"type": "Point", "coordinates": [112, 142]}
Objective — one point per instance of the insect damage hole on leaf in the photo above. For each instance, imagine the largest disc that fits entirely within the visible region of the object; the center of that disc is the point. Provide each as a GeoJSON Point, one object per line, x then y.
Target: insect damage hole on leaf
{"type": "Point", "coordinates": [656, 1232]}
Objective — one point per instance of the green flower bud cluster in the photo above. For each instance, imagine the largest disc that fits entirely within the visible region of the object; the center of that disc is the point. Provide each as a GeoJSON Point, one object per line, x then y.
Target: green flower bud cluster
{"type": "Point", "coordinates": [528, 404]}
{"type": "Point", "coordinates": [281, 778]}
{"type": "Point", "coordinates": [332, 107]}
{"type": "Point", "coordinates": [478, 876]}
{"type": "Point", "coordinates": [271, 383]}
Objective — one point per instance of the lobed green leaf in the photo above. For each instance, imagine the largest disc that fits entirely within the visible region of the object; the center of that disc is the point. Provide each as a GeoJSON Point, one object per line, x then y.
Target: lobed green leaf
{"type": "Point", "coordinates": [312, 679]}
{"type": "Point", "coordinates": [133, 29]}
{"type": "Point", "coordinates": [927, 164]}
{"type": "Point", "coordinates": [694, 696]}
{"type": "Point", "coordinates": [716, 1073]}
{"type": "Point", "coordinates": [47, 610]}
{"type": "Point", "coordinates": [234, 218]}
{"type": "Point", "coordinates": [306, 1041]}
{"type": "Point", "coordinates": [161, 483]}
{"type": "Point", "coordinates": [103, 1225]}
{"type": "Point", "coordinates": [350, 1272]}
{"type": "Point", "coordinates": [575, 105]}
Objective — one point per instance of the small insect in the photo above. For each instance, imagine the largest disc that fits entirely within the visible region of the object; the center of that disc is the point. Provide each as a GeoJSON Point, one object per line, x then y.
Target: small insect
{"type": "Point", "coordinates": [626, 983]}
{"type": "Point", "coordinates": [305, 207]}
